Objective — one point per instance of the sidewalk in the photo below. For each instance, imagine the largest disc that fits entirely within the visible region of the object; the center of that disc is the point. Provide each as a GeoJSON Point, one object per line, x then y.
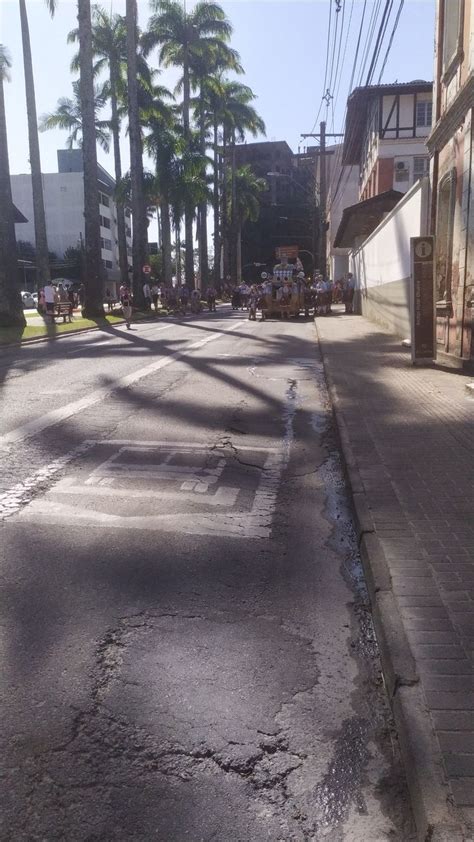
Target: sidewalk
{"type": "Point", "coordinates": [408, 440]}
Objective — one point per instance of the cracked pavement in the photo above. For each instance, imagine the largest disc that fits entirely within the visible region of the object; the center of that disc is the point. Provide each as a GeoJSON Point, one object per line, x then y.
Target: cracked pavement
{"type": "Point", "coordinates": [187, 647]}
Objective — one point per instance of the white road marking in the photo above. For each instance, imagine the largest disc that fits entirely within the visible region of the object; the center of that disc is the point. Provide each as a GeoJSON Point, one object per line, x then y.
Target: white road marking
{"type": "Point", "coordinates": [253, 524]}
{"type": "Point", "coordinates": [108, 339]}
{"type": "Point", "coordinates": [36, 426]}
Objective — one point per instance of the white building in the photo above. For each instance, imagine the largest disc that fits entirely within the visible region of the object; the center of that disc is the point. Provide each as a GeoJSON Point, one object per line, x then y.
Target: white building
{"type": "Point", "coordinates": [64, 209]}
{"type": "Point", "coordinates": [343, 190]}
{"type": "Point", "coordinates": [385, 137]}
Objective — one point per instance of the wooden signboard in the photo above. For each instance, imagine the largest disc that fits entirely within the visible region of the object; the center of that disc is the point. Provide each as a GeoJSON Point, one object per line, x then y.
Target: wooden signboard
{"type": "Point", "coordinates": [423, 346]}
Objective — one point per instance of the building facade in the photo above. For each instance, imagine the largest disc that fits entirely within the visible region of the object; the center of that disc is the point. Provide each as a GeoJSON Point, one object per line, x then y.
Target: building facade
{"type": "Point", "coordinates": [64, 210]}
{"type": "Point", "coordinates": [451, 148]}
{"type": "Point", "coordinates": [287, 207]}
{"type": "Point", "coordinates": [385, 136]}
{"type": "Point", "coordinates": [343, 190]}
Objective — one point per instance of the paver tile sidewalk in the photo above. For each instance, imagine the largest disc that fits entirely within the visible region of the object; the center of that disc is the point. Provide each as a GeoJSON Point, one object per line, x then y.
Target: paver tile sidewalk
{"type": "Point", "coordinates": [411, 433]}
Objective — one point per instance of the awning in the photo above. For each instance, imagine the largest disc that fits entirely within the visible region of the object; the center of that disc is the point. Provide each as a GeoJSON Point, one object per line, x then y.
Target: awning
{"type": "Point", "coordinates": [18, 216]}
{"type": "Point", "coordinates": [361, 219]}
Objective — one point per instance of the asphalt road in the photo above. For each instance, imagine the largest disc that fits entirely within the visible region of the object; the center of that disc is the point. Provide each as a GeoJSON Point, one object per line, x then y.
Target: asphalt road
{"type": "Point", "coordinates": [187, 650]}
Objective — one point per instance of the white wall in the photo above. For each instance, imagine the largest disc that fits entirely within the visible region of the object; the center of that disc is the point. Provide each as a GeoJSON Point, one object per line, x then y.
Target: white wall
{"type": "Point", "coordinates": [382, 264]}
{"type": "Point", "coordinates": [64, 208]}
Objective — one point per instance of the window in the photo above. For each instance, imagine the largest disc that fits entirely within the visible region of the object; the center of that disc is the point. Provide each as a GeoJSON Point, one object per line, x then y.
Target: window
{"type": "Point", "coordinates": [444, 235]}
{"type": "Point", "coordinates": [108, 264]}
{"type": "Point", "coordinates": [104, 199]}
{"type": "Point", "coordinates": [424, 113]}
{"type": "Point", "coordinates": [105, 222]}
{"type": "Point", "coordinates": [452, 31]}
{"type": "Point", "coordinates": [63, 189]}
{"type": "Point", "coordinates": [421, 167]}
{"type": "Point", "coordinates": [106, 244]}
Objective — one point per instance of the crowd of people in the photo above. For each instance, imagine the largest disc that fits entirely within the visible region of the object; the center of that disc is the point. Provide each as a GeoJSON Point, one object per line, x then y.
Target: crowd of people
{"type": "Point", "coordinates": [318, 294]}
{"type": "Point", "coordinates": [52, 295]}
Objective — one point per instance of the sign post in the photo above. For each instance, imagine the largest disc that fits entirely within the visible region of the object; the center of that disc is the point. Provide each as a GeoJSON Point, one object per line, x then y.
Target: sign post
{"type": "Point", "coordinates": [146, 269]}
{"type": "Point", "coordinates": [423, 346]}
{"type": "Point", "coordinates": [290, 252]}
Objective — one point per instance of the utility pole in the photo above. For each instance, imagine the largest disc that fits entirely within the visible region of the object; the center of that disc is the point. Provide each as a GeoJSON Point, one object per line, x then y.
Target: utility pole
{"type": "Point", "coordinates": [321, 154]}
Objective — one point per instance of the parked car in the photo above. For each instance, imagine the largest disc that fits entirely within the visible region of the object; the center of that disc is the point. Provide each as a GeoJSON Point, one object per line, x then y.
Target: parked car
{"type": "Point", "coordinates": [29, 302]}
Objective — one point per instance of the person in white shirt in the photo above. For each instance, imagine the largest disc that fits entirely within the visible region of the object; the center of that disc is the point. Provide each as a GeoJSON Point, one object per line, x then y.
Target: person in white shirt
{"type": "Point", "coordinates": [147, 295]}
{"type": "Point", "coordinates": [49, 298]}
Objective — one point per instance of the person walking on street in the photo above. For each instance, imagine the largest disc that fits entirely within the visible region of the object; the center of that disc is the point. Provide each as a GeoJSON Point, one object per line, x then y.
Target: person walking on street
{"type": "Point", "coordinates": [126, 301]}
{"type": "Point", "coordinates": [155, 292]}
{"type": "Point", "coordinates": [211, 299]}
{"type": "Point", "coordinates": [147, 295]}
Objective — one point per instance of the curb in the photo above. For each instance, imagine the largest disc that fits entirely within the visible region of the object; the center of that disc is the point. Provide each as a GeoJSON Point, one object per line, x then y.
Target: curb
{"type": "Point", "coordinates": [435, 817]}
{"type": "Point", "coordinates": [35, 339]}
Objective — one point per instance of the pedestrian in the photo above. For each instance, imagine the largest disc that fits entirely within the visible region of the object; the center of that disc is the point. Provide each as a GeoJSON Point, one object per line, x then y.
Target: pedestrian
{"type": "Point", "coordinates": [108, 299]}
{"type": "Point", "coordinates": [147, 295]}
{"type": "Point", "coordinates": [155, 292]}
{"type": "Point", "coordinates": [49, 299]}
{"type": "Point", "coordinates": [71, 295]}
{"type": "Point", "coordinates": [211, 299]}
{"type": "Point", "coordinates": [348, 293]}
{"type": "Point", "coordinates": [126, 301]}
{"type": "Point", "coordinates": [41, 302]}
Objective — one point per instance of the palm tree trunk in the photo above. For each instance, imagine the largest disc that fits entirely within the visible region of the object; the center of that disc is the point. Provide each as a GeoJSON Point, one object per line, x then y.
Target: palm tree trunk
{"type": "Point", "coordinates": [224, 214]}
{"type": "Point", "coordinates": [203, 248]}
{"type": "Point", "coordinates": [217, 242]}
{"type": "Point", "coordinates": [239, 254]}
{"type": "Point", "coordinates": [121, 232]}
{"type": "Point", "coordinates": [166, 240]}
{"type": "Point", "coordinates": [178, 255]}
{"type": "Point", "coordinates": [94, 270]}
{"type": "Point", "coordinates": [140, 235]}
{"type": "Point", "coordinates": [189, 209]}
{"type": "Point", "coordinates": [233, 212]}
{"type": "Point", "coordinates": [41, 241]}
{"type": "Point", "coordinates": [11, 310]}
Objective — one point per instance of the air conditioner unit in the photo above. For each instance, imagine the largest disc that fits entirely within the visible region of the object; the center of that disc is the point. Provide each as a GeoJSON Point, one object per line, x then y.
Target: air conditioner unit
{"type": "Point", "coordinates": [402, 171]}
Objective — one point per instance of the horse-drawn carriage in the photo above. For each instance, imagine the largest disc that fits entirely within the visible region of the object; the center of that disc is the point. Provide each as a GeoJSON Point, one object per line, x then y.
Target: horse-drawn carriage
{"type": "Point", "coordinates": [283, 294]}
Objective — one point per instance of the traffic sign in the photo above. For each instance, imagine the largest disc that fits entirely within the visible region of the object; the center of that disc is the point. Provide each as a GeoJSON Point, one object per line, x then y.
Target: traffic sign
{"type": "Point", "coordinates": [146, 269]}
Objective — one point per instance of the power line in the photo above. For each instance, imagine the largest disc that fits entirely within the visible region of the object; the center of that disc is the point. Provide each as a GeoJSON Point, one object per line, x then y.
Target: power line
{"type": "Point", "coordinates": [392, 36]}
{"type": "Point", "coordinates": [368, 40]}
{"type": "Point", "coordinates": [326, 68]}
{"type": "Point", "coordinates": [380, 36]}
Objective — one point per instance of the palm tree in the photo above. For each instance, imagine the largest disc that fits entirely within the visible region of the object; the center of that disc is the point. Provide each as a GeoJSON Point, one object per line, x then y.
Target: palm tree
{"type": "Point", "coordinates": [162, 144]}
{"type": "Point", "coordinates": [41, 240]}
{"type": "Point", "coordinates": [237, 116]}
{"type": "Point", "coordinates": [11, 310]}
{"type": "Point", "coordinates": [248, 189]}
{"type": "Point", "coordinates": [93, 261]}
{"type": "Point", "coordinates": [206, 68]}
{"type": "Point", "coordinates": [140, 237]}
{"type": "Point", "coordinates": [109, 45]}
{"type": "Point", "coordinates": [182, 37]}
{"type": "Point", "coordinates": [68, 116]}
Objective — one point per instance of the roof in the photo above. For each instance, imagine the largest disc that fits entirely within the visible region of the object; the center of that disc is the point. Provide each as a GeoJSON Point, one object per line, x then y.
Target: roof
{"type": "Point", "coordinates": [361, 219]}
{"type": "Point", "coordinates": [357, 107]}
{"type": "Point", "coordinates": [18, 216]}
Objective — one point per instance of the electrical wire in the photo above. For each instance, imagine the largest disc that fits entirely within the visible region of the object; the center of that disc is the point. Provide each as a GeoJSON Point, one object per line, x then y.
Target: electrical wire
{"type": "Point", "coordinates": [392, 36]}
{"type": "Point", "coordinates": [325, 70]}
{"type": "Point", "coordinates": [380, 36]}
{"type": "Point", "coordinates": [369, 38]}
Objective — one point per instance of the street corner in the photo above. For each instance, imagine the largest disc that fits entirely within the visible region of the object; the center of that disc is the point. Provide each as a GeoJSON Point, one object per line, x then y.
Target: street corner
{"type": "Point", "coordinates": [164, 486]}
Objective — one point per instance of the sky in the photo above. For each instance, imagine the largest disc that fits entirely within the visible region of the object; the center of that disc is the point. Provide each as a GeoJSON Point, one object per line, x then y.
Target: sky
{"type": "Point", "coordinates": [282, 44]}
